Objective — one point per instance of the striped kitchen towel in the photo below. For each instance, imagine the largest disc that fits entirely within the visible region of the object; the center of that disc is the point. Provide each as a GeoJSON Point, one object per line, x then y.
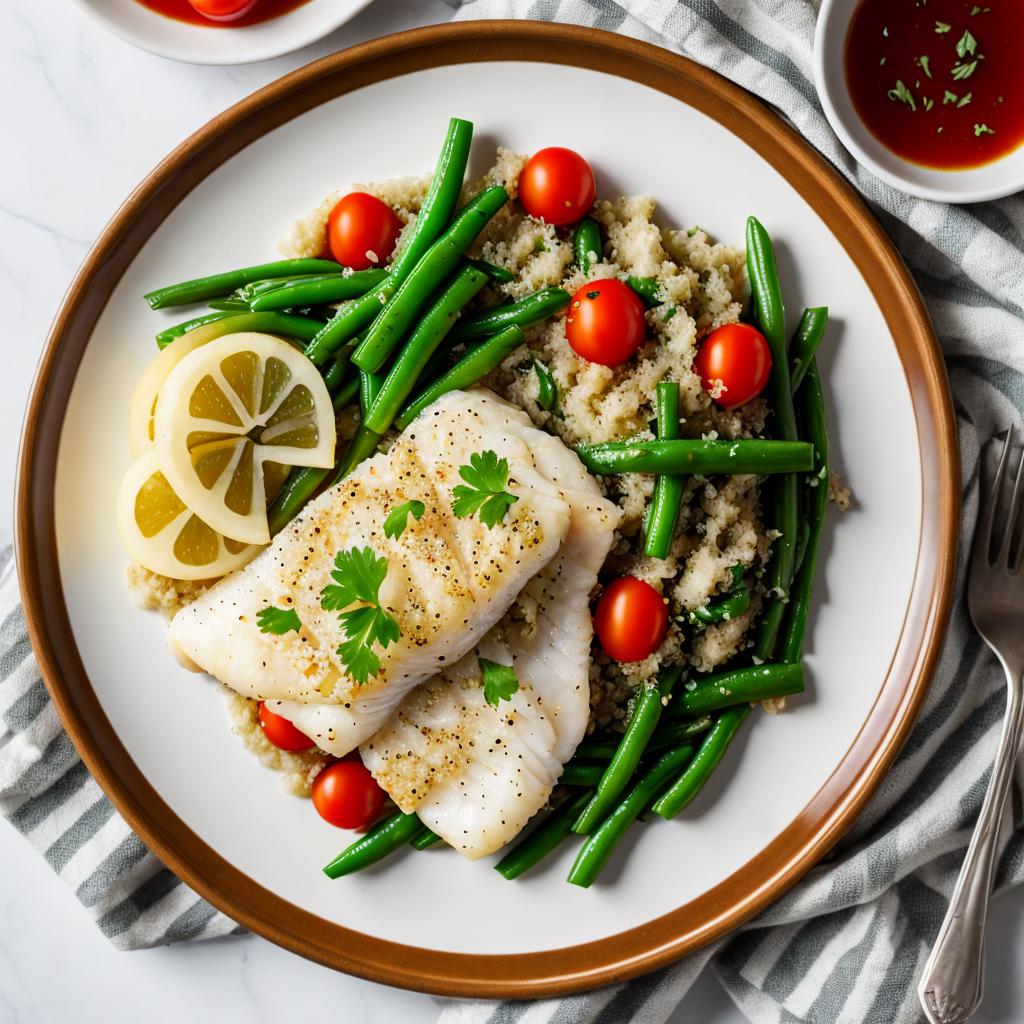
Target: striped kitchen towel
{"type": "Point", "coordinates": [846, 944]}
{"type": "Point", "coordinates": [47, 794]}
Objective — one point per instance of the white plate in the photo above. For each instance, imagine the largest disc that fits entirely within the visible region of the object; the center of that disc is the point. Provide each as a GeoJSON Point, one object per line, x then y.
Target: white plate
{"type": "Point", "coordinates": [173, 725]}
{"type": "Point", "coordinates": [199, 44]}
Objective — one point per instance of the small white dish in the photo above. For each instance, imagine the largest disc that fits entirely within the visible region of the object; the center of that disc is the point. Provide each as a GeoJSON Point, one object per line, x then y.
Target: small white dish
{"type": "Point", "coordinates": [1000, 178]}
{"type": "Point", "coordinates": [200, 44]}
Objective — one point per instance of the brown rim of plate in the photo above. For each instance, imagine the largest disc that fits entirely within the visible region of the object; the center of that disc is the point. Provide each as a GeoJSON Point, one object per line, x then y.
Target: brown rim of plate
{"type": "Point", "coordinates": [833, 808]}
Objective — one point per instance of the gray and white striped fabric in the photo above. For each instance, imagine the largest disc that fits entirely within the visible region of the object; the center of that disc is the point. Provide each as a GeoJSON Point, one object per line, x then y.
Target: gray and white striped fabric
{"type": "Point", "coordinates": [847, 943]}
{"type": "Point", "coordinates": [49, 796]}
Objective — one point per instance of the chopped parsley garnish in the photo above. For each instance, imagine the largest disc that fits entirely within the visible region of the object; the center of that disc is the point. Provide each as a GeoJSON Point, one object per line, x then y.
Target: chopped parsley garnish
{"type": "Point", "coordinates": [278, 620]}
{"type": "Point", "coordinates": [398, 518]}
{"type": "Point", "coordinates": [941, 27]}
{"type": "Point", "coordinates": [901, 94]}
{"type": "Point", "coordinates": [979, 10]}
{"type": "Point", "coordinates": [964, 100]}
{"type": "Point", "coordinates": [500, 681]}
{"type": "Point", "coordinates": [962, 71]}
{"type": "Point", "coordinates": [983, 129]}
{"type": "Point", "coordinates": [966, 44]}
{"type": "Point", "coordinates": [358, 575]}
{"type": "Point", "coordinates": [485, 491]}
{"type": "Point", "coordinates": [927, 103]}
{"type": "Point", "coordinates": [923, 61]}
{"type": "Point", "coordinates": [950, 97]}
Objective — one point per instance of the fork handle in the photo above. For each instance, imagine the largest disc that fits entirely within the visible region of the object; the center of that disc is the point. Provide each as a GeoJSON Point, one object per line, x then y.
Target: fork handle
{"type": "Point", "coordinates": [950, 988]}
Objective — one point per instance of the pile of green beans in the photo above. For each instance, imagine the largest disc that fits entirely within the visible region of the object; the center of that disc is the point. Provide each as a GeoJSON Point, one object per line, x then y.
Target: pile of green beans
{"type": "Point", "coordinates": [663, 511]}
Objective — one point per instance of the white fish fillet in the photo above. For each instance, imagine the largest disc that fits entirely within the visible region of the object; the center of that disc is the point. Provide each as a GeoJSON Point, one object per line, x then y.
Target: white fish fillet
{"type": "Point", "coordinates": [474, 773]}
{"type": "Point", "coordinates": [449, 579]}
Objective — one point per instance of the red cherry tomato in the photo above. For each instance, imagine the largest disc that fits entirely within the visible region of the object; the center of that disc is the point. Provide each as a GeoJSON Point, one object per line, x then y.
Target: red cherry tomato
{"type": "Point", "coordinates": [631, 619]}
{"type": "Point", "coordinates": [557, 185]}
{"type": "Point", "coordinates": [362, 231]}
{"type": "Point", "coordinates": [739, 357]}
{"type": "Point", "coordinates": [223, 10]}
{"type": "Point", "coordinates": [281, 732]}
{"type": "Point", "coordinates": [605, 322]}
{"type": "Point", "coordinates": [346, 795]}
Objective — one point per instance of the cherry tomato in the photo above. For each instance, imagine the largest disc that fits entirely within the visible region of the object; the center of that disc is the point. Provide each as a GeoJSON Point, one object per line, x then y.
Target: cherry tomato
{"type": "Point", "coordinates": [223, 10]}
{"type": "Point", "coordinates": [346, 795]}
{"type": "Point", "coordinates": [362, 231]}
{"type": "Point", "coordinates": [281, 732]}
{"type": "Point", "coordinates": [739, 357]}
{"type": "Point", "coordinates": [631, 619]}
{"type": "Point", "coordinates": [605, 322]}
{"type": "Point", "coordinates": [557, 185]}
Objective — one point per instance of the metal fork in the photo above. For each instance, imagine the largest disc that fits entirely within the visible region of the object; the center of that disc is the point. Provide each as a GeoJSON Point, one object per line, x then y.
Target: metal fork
{"type": "Point", "coordinates": [950, 989]}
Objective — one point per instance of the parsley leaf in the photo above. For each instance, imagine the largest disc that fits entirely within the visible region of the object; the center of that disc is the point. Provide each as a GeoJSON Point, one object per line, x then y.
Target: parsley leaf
{"type": "Point", "coordinates": [398, 518]}
{"type": "Point", "coordinates": [950, 97]}
{"type": "Point", "coordinates": [923, 61]}
{"type": "Point", "coordinates": [358, 575]}
{"type": "Point", "coordinates": [941, 27]}
{"type": "Point", "coordinates": [500, 681]}
{"type": "Point", "coordinates": [966, 44]}
{"type": "Point", "coordinates": [983, 129]}
{"type": "Point", "coordinates": [964, 100]}
{"type": "Point", "coordinates": [901, 94]}
{"type": "Point", "coordinates": [962, 71]}
{"type": "Point", "coordinates": [487, 477]}
{"type": "Point", "coordinates": [278, 620]}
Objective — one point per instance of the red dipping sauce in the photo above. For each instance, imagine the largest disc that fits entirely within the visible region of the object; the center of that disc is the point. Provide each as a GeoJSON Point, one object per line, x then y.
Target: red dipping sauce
{"type": "Point", "coordinates": [939, 82]}
{"type": "Point", "coordinates": [182, 10]}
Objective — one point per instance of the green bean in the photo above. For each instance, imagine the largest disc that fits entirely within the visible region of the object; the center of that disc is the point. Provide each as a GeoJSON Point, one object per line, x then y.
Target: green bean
{"type": "Point", "coordinates": [586, 242]}
{"type": "Point", "coordinates": [663, 513]}
{"type": "Point", "coordinates": [346, 394]}
{"type": "Point", "coordinates": [696, 457]}
{"type": "Point", "coordinates": [425, 838]}
{"type": "Point", "coordinates": [299, 487]}
{"type": "Point", "coordinates": [217, 285]}
{"type": "Point", "coordinates": [256, 288]}
{"type": "Point", "coordinates": [737, 686]}
{"type": "Point", "coordinates": [735, 603]}
{"type": "Point", "coordinates": [784, 518]}
{"type": "Point", "coordinates": [806, 340]}
{"type": "Point", "coordinates": [814, 428]}
{"type": "Point", "coordinates": [576, 774]}
{"type": "Point", "coordinates": [765, 289]}
{"type": "Point", "coordinates": [467, 371]}
{"type": "Point", "coordinates": [299, 327]}
{"type": "Point", "coordinates": [556, 827]}
{"type": "Point", "coordinates": [530, 309]}
{"type": "Point", "coordinates": [647, 288]}
{"type": "Point", "coordinates": [336, 373]}
{"type": "Point", "coordinates": [437, 263]}
{"type": "Point", "coordinates": [314, 291]}
{"type": "Point", "coordinates": [699, 770]}
{"type": "Point", "coordinates": [547, 389]}
{"type": "Point", "coordinates": [422, 343]}
{"type": "Point", "coordinates": [642, 723]}
{"type": "Point", "coordinates": [500, 274]}
{"type": "Point", "coordinates": [598, 848]}
{"type": "Point", "coordinates": [394, 832]}
{"type": "Point", "coordinates": [231, 304]}
{"type": "Point", "coordinates": [668, 734]}
{"type": "Point", "coordinates": [434, 214]}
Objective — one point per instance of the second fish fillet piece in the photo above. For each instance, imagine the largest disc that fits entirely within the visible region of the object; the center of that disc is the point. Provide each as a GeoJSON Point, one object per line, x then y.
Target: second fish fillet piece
{"type": "Point", "coordinates": [476, 772]}
{"type": "Point", "coordinates": [449, 579]}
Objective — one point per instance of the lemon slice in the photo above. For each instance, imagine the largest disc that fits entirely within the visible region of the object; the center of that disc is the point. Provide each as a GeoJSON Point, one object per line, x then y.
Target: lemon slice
{"type": "Point", "coordinates": [161, 533]}
{"type": "Point", "coordinates": [228, 409]}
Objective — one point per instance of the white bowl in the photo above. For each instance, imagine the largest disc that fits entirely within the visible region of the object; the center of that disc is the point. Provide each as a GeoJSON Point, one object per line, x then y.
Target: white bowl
{"type": "Point", "coordinates": [199, 44]}
{"type": "Point", "coordinates": [989, 181]}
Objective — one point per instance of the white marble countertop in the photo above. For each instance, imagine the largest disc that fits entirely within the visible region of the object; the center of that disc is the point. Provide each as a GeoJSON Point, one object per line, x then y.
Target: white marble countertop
{"type": "Point", "coordinates": [85, 117]}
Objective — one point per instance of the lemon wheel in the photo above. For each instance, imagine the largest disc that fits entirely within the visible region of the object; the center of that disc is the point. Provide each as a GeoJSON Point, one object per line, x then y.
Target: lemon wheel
{"type": "Point", "coordinates": [229, 415]}
{"type": "Point", "coordinates": [163, 534]}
